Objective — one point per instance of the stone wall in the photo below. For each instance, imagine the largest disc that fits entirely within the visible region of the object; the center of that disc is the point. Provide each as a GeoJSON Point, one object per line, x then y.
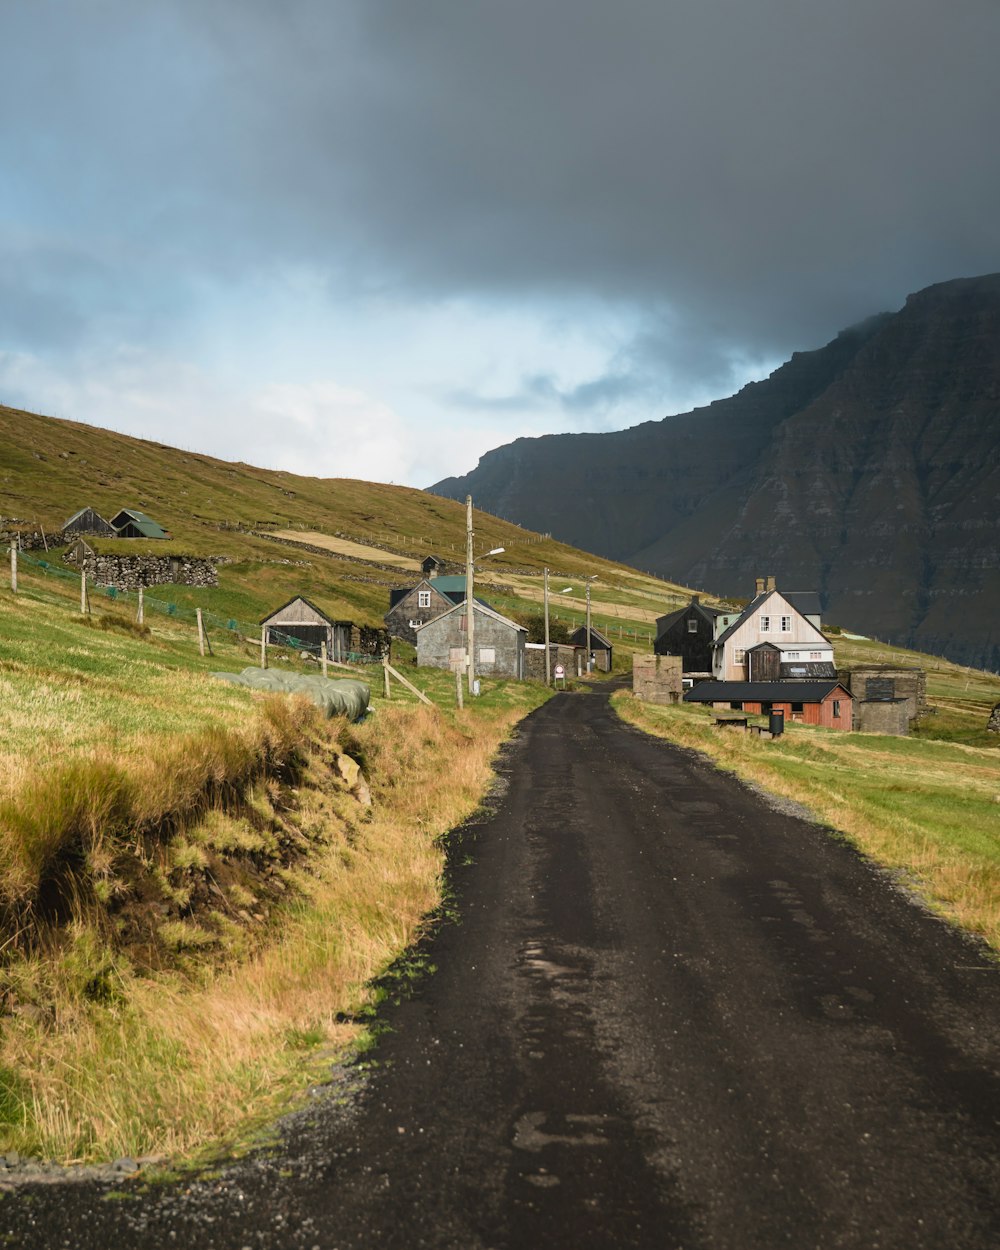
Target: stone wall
{"type": "Point", "coordinates": [571, 658]}
{"type": "Point", "coordinates": [882, 716]}
{"type": "Point", "coordinates": [657, 678]}
{"type": "Point", "coordinates": [129, 572]}
{"type": "Point", "coordinates": [879, 682]}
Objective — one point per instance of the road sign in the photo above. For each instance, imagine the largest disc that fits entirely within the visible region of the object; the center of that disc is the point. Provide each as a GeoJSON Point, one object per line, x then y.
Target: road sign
{"type": "Point", "coordinates": [560, 671]}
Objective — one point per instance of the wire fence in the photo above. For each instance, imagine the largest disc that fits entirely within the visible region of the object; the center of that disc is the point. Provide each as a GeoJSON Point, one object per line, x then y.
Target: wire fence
{"type": "Point", "coordinates": [240, 631]}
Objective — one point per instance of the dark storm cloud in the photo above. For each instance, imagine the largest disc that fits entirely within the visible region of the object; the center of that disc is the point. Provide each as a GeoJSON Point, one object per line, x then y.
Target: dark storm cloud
{"type": "Point", "coordinates": [745, 178]}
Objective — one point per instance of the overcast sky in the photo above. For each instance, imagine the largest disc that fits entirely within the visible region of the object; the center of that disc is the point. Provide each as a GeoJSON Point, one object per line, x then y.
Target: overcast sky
{"type": "Point", "coordinates": [375, 238]}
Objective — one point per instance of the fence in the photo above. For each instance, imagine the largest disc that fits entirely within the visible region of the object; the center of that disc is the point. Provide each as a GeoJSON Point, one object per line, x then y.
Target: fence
{"type": "Point", "coordinates": [200, 617]}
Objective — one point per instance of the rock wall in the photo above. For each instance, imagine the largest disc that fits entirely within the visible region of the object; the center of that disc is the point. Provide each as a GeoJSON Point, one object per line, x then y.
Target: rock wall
{"type": "Point", "coordinates": [129, 572]}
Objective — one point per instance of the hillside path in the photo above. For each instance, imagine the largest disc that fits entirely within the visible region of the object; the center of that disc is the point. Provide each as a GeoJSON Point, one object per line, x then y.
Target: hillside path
{"type": "Point", "coordinates": [667, 1016]}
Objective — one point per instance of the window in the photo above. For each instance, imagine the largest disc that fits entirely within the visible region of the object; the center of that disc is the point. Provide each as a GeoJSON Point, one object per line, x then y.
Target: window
{"type": "Point", "coordinates": [791, 655]}
{"type": "Point", "coordinates": [836, 709]}
{"type": "Point", "coordinates": [487, 655]}
{"type": "Point", "coordinates": [736, 706]}
{"type": "Point", "coordinates": [765, 624]}
{"type": "Point", "coordinates": [739, 657]}
{"type": "Point", "coordinates": [423, 598]}
{"type": "Point", "coordinates": [786, 624]}
{"type": "Point", "coordinates": [797, 707]}
{"type": "Point", "coordinates": [815, 655]}
{"type": "Point", "coordinates": [692, 627]}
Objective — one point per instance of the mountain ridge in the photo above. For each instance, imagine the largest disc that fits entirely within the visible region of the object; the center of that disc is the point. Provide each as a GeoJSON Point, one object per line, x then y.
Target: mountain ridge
{"type": "Point", "coordinates": [867, 469]}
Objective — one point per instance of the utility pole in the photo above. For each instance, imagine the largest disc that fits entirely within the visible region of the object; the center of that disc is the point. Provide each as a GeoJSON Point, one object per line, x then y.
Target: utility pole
{"type": "Point", "coordinates": [588, 624]}
{"type": "Point", "coordinates": [548, 666]}
{"type": "Point", "coordinates": [469, 604]}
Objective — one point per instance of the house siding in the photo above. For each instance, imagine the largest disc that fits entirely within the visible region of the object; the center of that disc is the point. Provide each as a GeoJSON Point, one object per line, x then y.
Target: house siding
{"type": "Point", "coordinates": [397, 619]}
{"type": "Point", "coordinates": [439, 637]}
{"type": "Point", "coordinates": [748, 633]}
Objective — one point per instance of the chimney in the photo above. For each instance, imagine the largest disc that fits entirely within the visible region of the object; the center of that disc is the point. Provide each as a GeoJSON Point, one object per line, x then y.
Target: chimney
{"type": "Point", "coordinates": [770, 584]}
{"type": "Point", "coordinates": [760, 585]}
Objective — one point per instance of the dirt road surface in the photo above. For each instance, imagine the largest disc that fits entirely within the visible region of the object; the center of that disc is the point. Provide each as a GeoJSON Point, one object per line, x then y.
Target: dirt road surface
{"type": "Point", "coordinates": [667, 1016]}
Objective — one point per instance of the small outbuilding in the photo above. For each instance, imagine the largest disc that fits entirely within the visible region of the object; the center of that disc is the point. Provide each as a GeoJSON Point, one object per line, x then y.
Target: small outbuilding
{"type": "Point", "coordinates": [658, 678]}
{"type": "Point", "coordinates": [87, 521]}
{"type": "Point", "coordinates": [302, 625]}
{"type": "Point", "coordinates": [825, 703]}
{"type": "Point", "coordinates": [600, 647]}
{"type": "Point", "coordinates": [431, 566]}
{"type": "Point", "coordinates": [883, 683]}
{"type": "Point", "coordinates": [130, 523]}
{"type": "Point", "coordinates": [499, 642]}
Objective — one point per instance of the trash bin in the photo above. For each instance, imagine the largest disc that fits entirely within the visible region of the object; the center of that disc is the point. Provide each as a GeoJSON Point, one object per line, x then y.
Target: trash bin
{"type": "Point", "coordinates": [776, 723]}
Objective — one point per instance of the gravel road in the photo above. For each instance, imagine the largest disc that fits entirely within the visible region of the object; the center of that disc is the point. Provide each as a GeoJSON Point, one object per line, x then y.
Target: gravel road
{"type": "Point", "coordinates": [667, 1015]}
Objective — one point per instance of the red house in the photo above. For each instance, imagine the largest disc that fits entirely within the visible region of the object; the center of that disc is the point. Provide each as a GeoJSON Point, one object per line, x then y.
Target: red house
{"type": "Point", "coordinates": [808, 702]}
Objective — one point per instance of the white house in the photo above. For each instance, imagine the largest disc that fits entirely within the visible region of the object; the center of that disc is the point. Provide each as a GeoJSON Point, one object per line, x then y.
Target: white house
{"type": "Point", "coordinates": [777, 636]}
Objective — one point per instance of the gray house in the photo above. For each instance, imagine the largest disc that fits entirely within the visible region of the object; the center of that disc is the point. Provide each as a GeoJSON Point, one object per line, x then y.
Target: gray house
{"type": "Point", "coordinates": [499, 642]}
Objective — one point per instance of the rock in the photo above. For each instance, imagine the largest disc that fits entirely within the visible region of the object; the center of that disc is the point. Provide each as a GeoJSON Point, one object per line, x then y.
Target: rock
{"type": "Point", "coordinates": [993, 724]}
{"type": "Point", "coordinates": [349, 769]}
{"type": "Point", "coordinates": [125, 1165]}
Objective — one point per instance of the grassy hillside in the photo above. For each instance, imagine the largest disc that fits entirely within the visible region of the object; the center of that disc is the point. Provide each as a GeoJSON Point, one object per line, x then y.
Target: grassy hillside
{"type": "Point", "coordinates": [285, 534]}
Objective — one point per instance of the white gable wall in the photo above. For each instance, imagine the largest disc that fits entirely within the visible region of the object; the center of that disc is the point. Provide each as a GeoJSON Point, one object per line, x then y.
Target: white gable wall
{"type": "Point", "coordinates": [772, 619]}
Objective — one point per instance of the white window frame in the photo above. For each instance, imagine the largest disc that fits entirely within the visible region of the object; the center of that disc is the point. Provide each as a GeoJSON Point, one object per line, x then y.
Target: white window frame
{"type": "Point", "coordinates": [423, 598]}
{"type": "Point", "coordinates": [765, 624]}
{"type": "Point", "coordinates": [739, 657]}
{"type": "Point", "coordinates": [692, 627]}
{"type": "Point", "coordinates": [792, 655]}
{"type": "Point", "coordinates": [786, 624]}
{"type": "Point", "coordinates": [815, 655]}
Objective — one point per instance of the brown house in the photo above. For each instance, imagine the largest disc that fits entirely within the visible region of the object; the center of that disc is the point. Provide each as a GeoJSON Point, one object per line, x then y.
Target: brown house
{"type": "Point", "coordinates": [416, 605]}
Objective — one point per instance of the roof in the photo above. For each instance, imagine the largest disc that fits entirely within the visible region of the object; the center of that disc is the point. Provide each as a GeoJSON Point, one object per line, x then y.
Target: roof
{"type": "Point", "coordinates": [663, 623]}
{"type": "Point", "coordinates": [450, 583]}
{"type": "Point", "coordinates": [594, 634]}
{"type": "Point", "coordinates": [483, 609]}
{"type": "Point", "coordinates": [146, 526]}
{"type": "Point", "coordinates": [763, 691]}
{"type": "Point", "coordinates": [758, 602]}
{"type": "Point", "coordinates": [309, 603]}
{"type": "Point", "coordinates": [807, 668]}
{"type": "Point", "coordinates": [804, 601]}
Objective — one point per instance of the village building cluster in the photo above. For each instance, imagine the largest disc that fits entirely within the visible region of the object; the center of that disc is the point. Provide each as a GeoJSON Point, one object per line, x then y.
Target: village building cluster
{"type": "Point", "coordinates": [772, 658]}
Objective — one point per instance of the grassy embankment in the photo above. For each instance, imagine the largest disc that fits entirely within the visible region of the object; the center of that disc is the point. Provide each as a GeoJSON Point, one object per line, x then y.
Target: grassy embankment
{"type": "Point", "coordinates": [927, 806]}
{"type": "Point", "coordinates": [194, 886]}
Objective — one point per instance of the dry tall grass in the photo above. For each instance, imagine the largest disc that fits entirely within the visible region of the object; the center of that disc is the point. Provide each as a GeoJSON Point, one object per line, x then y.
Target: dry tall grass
{"type": "Point", "coordinates": [161, 1064]}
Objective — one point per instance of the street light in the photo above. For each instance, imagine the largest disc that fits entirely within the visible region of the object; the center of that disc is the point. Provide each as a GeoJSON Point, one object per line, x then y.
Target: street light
{"type": "Point", "coordinates": [591, 578]}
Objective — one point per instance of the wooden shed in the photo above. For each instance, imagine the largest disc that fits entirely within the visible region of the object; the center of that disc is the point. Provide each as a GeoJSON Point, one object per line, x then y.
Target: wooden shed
{"type": "Point", "coordinates": [303, 626]}
{"type": "Point", "coordinates": [87, 521]}
{"type": "Point", "coordinates": [600, 647]}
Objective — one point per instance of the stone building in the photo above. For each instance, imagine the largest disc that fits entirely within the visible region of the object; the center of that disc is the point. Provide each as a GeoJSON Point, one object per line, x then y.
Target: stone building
{"type": "Point", "coordinates": [412, 606]}
{"type": "Point", "coordinates": [560, 653]}
{"type": "Point", "coordinates": [884, 683]}
{"type": "Point", "coordinates": [658, 678]}
{"type": "Point", "coordinates": [499, 642]}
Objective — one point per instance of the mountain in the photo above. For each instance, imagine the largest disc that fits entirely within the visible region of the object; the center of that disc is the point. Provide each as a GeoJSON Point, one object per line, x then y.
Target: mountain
{"type": "Point", "coordinates": [868, 470]}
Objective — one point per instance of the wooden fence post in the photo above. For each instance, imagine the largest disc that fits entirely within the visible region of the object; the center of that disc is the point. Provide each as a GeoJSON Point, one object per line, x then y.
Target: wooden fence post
{"type": "Point", "coordinates": [201, 632]}
{"type": "Point", "coordinates": [263, 646]}
{"type": "Point", "coordinates": [140, 614]}
{"type": "Point", "coordinates": [13, 568]}
{"type": "Point", "coordinates": [458, 687]}
{"type": "Point", "coordinates": [322, 656]}
{"type": "Point", "coordinates": [84, 602]}
{"type": "Point", "coordinates": [385, 675]}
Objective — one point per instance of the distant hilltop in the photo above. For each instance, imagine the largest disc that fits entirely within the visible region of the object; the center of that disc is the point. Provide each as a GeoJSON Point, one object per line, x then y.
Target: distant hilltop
{"type": "Point", "coordinates": [868, 470]}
